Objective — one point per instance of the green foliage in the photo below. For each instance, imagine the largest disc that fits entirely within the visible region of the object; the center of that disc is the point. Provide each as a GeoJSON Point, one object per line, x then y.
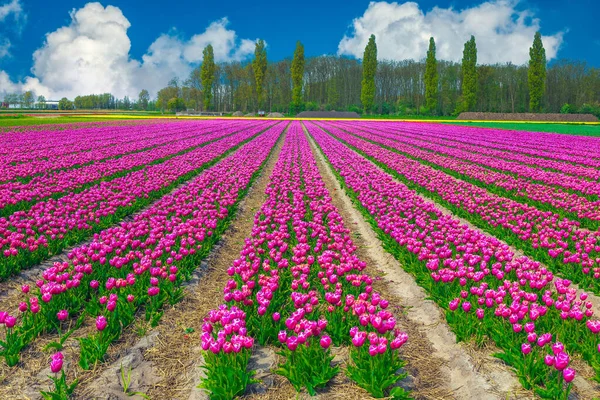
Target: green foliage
{"type": "Point", "coordinates": [259, 65]}
{"type": "Point", "coordinates": [62, 389]}
{"type": "Point", "coordinates": [588, 108]}
{"type": "Point", "coordinates": [307, 366]}
{"type": "Point", "coordinates": [369, 63]}
{"type": "Point", "coordinates": [176, 104]}
{"type": "Point", "coordinates": [376, 374]}
{"type": "Point", "coordinates": [311, 106]}
{"type": "Point", "coordinates": [536, 74]}
{"type": "Point", "coordinates": [431, 78]}
{"type": "Point", "coordinates": [469, 76]}
{"type": "Point", "coordinates": [65, 104]}
{"type": "Point", "coordinates": [567, 109]}
{"type": "Point", "coordinates": [226, 374]}
{"type": "Point", "coordinates": [297, 72]}
{"type": "Point", "coordinates": [207, 74]}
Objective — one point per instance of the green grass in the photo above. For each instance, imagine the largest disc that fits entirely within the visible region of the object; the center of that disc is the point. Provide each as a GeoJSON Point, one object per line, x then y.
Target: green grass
{"type": "Point", "coordinates": [566, 129]}
{"type": "Point", "coordinates": [22, 120]}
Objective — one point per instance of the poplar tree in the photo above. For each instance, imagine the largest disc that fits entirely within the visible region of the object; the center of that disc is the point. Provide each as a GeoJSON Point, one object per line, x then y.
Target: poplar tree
{"type": "Point", "coordinates": [431, 78]}
{"type": "Point", "coordinates": [259, 65]}
{"type": "Point", "coordinates": [536, 75]}
{"type": "Point", "coordinates": [207, 74]}
{"type": "Point", "coordinates": [297, 71]}
{"type": "Point", "coordinates": [469, 75]}
{"type": "Point", "coordinates": [369, 64]}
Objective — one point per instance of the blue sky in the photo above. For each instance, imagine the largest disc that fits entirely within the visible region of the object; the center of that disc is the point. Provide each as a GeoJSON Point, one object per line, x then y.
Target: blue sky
{"type": "Point", "coordinates": [155, 40]}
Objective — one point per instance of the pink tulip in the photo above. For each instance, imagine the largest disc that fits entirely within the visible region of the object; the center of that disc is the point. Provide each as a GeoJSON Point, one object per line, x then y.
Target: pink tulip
{"type": "Point", "coordinates": [568, 374]}
{"type": "Point", "coordinates": [325, 342]}
{"type": "Point", "coordinates": [62, 315]}
{"type": "Point", "coordinates": [101, 322]}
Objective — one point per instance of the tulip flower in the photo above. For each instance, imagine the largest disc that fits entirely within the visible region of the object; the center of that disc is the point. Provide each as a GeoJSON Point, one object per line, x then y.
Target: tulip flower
{"type": "Point", "coordinates": [101, 323]}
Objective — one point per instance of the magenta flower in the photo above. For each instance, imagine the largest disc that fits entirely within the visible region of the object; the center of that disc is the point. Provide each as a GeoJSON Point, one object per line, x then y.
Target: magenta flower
{"type": "Point", "coordinates": [568, 374]}
{"type": "Point", "coordinates": [56, 363]}
{"type": "Point", "coordinates": [62, 315]}
{"type": "Point", "coordinates": [562, 361]}
{"type": "Point", "coordinates": [10, 321]}
{"type": "Point", "coordinates": [101, 322]}
{"type": "Point", "coordinates": [526, 348]}
{"type": "Point", "coordinates": [325, 341]}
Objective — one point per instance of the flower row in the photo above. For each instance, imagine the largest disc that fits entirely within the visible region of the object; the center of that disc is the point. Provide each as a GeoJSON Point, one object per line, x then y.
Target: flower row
{"type": "Point", "coordinates": [547, 198]}
{"type": "Point", "coordinates": [139, 263]}
{"type": "Point", "coordinates": [49, 226]}
{"type": "Point", "coordinates": [63, 181]}
{"type": "Point", "coordinates": [298, 284]}
{"type": "Point", "coordinates": [556, 241]}
{"type": "Point", "coordinates": [27, 155]}
{"type": "Point", "coordinates": [487, 291]}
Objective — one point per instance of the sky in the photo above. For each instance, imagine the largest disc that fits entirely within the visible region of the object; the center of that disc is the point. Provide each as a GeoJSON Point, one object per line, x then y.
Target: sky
{"type": "Point", "coordinates": [71, 47]}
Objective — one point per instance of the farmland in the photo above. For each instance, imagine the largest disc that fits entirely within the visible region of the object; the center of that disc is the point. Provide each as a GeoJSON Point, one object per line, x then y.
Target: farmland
{"type": "Point", "coordinates": [193, 259]}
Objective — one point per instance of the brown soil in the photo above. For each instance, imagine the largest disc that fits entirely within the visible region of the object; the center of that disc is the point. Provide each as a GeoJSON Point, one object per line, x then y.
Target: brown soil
{"type": "Point", "coordinates": [483, 116]}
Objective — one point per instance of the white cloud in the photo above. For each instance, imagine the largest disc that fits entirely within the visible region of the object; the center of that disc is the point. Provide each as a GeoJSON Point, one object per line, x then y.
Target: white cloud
{"type": "Point", "coordinates": [4, 47]}
{"type": "Point", "coordinates": [14, 7]}
{"type": "Point", "coordinates": [91, 55]}
{"type": "Point", "coordinates": [502, 32]}
{"type": "Point", "coordinates": [224, 42]}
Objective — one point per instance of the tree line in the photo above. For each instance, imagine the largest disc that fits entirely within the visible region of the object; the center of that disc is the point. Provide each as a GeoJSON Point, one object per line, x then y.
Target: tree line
{"type": "Point", "coordinates": [407, 87]}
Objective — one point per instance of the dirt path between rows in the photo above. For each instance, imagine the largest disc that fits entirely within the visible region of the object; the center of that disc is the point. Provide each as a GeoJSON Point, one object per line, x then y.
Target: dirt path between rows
{"type": "Point", "coordinates": [466, 372]}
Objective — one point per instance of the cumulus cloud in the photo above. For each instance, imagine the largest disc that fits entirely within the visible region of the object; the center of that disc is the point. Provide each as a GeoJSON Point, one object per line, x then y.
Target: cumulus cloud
{"type": "Point", "coordinates": [91, 55]}
{"type": "Point", "coordinates": [503, 33]}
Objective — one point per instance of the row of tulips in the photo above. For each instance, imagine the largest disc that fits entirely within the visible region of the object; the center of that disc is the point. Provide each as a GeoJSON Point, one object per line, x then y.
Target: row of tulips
{"type": "Point", "coordinates": [583, 151]}
{"type": "Point", "coordinates": [580, 185]}
{"type": "Point", "coordinates": [18, 195]}
{"type": "Point", "coordinates": [557, 242]}
{"type": "Point", "coordinates": [564, 202]}
{"type": "Point", "coordinates": [139, 264]}
{"type": "Point", "coordinates": [34, 153]}
{"type": "Point", "coordinates": [298, 285]}
{"type": "Point", "coordinates": [488, 292]}
{"type": "Point", "coordinates": [50, 226]}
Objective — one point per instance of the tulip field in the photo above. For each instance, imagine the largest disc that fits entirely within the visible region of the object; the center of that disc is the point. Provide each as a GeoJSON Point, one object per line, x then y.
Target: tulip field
{"type": "Point", "coordinates": [114, 233]}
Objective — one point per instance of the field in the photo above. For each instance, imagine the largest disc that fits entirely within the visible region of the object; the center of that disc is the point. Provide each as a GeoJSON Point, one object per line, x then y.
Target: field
{"type": "Point", "coordinates": [280, 259]}
{"type": "Point", "coordinates": [567, 129]}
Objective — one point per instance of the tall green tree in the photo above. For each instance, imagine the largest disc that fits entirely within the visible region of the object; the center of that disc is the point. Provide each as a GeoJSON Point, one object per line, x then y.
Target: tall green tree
{"type": "Point", "coordinates": [536, 74]}
{"type": "Point", "coordinates": [469, 75]}
{"type": "Point", "coordinates": [431, 79]}
{"type": "Point", "coordinates": [297, 72]}
{"type": "Point", "coordinates": [259, 65]}
{"type": "Point", "coordinates": [369, 66]}
{"type": "Point", "coordinates": [207, 74]}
